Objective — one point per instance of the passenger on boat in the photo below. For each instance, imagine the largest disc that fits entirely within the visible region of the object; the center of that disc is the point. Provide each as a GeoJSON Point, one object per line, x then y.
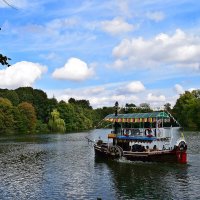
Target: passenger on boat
{"type": "Point", "coordinates": [99, 142]}
{"type": "Point", "coordinates": [155, 148]}
{"type": "Point", "coordinates": [149, 135]}
{"type": "Point", "coordinates": [147, 149]}
{"type": "Point", "coordinates": [138, 148]}
{"type": "Point", "coordinates": [163, 147]}
{"type": "Point", "coordinates": [127, 131]}
{"type": "Point", "coordinates": [148, 132]}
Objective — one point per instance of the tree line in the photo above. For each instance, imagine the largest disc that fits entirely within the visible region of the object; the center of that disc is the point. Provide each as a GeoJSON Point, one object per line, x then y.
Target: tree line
{"type": "Point", "coordinates": [28, 110]}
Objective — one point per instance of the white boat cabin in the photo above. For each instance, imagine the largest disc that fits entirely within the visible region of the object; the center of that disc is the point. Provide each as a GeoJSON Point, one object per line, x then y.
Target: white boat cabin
{"type": "Point", "coordinates": [153, 131]}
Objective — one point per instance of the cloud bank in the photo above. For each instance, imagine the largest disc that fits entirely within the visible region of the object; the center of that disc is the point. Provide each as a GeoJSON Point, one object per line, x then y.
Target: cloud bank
{"type": "Point", "coordinates": [106, 95]}
{"type": "Point", "coordinates": [179, 49]}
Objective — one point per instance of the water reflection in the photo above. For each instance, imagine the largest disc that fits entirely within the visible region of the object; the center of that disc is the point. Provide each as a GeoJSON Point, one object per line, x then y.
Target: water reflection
{"type": "Point", "coordinates": [147, 180]}
{"type": "Point", "coordinates": [63, 166]}
{"type": "Point", "coordinates": [136, 180]}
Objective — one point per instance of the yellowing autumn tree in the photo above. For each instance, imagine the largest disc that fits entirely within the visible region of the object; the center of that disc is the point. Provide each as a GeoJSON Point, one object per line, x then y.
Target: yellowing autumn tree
{"type": "Point", "coordinates": [29, 116]}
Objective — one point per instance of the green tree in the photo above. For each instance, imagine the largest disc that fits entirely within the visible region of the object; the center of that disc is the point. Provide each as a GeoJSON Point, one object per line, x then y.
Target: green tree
{"type": "Point", "coordinates": [100, 114]}
{"type": "Point", "coordinates": [6, 116]}
{"type": "Point", "coordinates": [195, 109]}
{"type": "Point", "coordinates": [19, 124]}
{"type": "Point", "coordinates": [52, 103]}
{"type": "Point", "coordinates": [72, 100]}
{"type": "Point", "coordinates": [167, 107]}
{"type": "Point", "coordinates": [11, 95]}
{"type": "Point", "coordinates": [41, 127]}
{"type": "Point", "coordinates": [187, 109]}
{"type": "Point", "coordinates": [67, 113]}
{"type": "Point", "coordinates": [81, 103]}
{"type": "Point", "coordinates": [40, 102]}
{"type": "Point", "coordinates": [25, 94]}
{"type": "Point", "coordinates": [38, 99]}
{"type": "Point", "coordinates": [28, 115]}
{"type": "Point", "coordinates": [76, 117]}
{"type": "Point", "coordinates": [56, 124]}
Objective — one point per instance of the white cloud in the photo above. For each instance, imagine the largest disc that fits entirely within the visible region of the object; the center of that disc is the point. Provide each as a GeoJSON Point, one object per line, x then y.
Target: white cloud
{"type": "Point", "coordinates": [179, 49]}
{"type": "Point", "coordinates": [110, 100]}
{"type": "Point", "coordinates": [153, 98]}
{"type": "Point", "coordinates": [21, 74]}
{"type": "Point", "coordinates": [191, 89]}
{"type": "Point", "coordinates": [116, 26]}
{"type": "Point", "coordinates": [99, 96]}
{"type": "Point", "coordinates": [179, 89]}
{"type": "Point", "coordinates": [118, 64]}
{"type": "Point", "coordinates": [94, 90]}
{"type": "Point", "coordinates": [104, 98]}
{"type": "Point", "coordinates": [74, 70]}
{"type": "Point", "coordinates": [108, 94]}
{"type": "Point", "coordinates": [134, 87]}
{"type": "Point", "coordinates": [98, 101]}
{"type": "Point", "coordinates": [155, 16]}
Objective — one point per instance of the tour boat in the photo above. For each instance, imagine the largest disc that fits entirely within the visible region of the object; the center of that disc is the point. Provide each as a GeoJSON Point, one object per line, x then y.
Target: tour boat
{"type": "Point", "coordinates": [154, 136]}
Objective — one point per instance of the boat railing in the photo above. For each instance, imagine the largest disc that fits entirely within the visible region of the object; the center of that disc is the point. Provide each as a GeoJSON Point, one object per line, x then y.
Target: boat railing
{"type": "Point", "coordinates": [159, 132]}
{"type": "Point", "coordinates": [131, 131]}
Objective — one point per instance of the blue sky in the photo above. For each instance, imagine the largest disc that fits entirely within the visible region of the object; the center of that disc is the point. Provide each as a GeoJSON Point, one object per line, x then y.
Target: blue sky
{"type": "Point", "coordinates": [104, 51]}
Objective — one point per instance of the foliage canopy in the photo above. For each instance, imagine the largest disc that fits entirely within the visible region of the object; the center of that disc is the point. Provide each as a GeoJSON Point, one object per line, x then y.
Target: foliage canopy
{"type": "Point", "coordinates": [28, 110]}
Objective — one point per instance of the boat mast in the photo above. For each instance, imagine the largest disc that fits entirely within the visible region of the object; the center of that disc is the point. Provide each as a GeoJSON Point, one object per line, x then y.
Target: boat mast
{"type": "Point", "coordinates": [115, 124]}
{"type": "Point", "coordinates": [116, 114]}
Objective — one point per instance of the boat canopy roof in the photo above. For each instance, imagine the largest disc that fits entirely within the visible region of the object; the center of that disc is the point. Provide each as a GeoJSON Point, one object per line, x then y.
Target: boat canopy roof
{"type": "Point", "coordinates": [137, 117]}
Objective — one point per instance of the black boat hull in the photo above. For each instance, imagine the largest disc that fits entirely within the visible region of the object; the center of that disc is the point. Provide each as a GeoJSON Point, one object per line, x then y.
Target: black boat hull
{"type": "Point", "coordinates": [156, 156]}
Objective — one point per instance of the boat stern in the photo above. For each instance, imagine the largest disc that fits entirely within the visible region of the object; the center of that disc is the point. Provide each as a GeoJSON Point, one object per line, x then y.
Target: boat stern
{"type": "Point", "coordinates": [181, 151]}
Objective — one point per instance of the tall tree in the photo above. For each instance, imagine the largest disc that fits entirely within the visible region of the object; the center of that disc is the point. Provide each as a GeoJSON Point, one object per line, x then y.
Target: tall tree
{"type": "Point", "coordinates": [56, 124]}
{"type": "Point", "coordinates": [6, 116]}
{"type": "Point", "coordinates": [11, 95]}
{"type": "Point", "coordinates": [187, 109]}
{"type": "Point", "coordinates": [167, 107]}
{"type": "Point", "coordinates": [40, 102]}
{"type": "Point", "coordinates": [38, 99]}
{"type": "Point", "coordinates": [76, 117]}
{"type": "Point", "coordinates": [29, 116]}
{"type": "Point", "coordinates": [19, 124]}
{"type": "Point", "coordinates": [81, 103]}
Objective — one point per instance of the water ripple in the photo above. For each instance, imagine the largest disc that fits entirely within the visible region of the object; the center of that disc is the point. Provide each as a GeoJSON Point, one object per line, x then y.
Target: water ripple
{"type": "Point", "coordinates": [63, 166]}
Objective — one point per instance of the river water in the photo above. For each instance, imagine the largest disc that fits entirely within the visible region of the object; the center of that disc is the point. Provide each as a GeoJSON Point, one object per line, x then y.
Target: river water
{"type": "Point", "coordinates": [63, 166]}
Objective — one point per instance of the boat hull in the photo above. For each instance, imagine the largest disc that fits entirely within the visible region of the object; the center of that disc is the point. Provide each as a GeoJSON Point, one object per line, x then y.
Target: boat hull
{"type": "Point", "coordinates": [174, 156]}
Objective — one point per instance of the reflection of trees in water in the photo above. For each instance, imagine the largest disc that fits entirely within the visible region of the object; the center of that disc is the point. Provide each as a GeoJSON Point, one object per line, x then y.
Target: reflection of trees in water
{"type": "Point", "coordinates": [148, 180]}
